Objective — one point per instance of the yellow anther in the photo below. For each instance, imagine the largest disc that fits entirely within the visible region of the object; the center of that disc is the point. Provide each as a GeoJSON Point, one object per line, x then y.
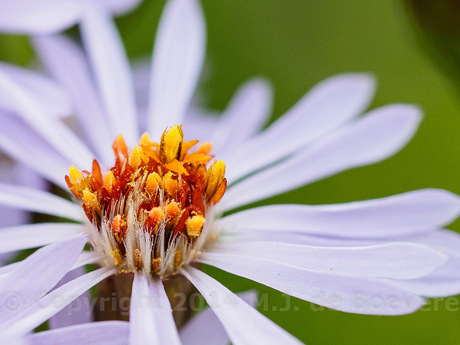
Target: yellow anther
{"type": "Point", "coordinates": [214, 177]}
{"type": "Point", "coordinates": [171, 143]}
{"type": "Point", "coordinates": [156, 215]}
{"type": "Point", "coordinates": [109, 180]}
{"type": "Point", "coordinates": [171, 185]}
{"type": "Point", "coordinates": [137, 157]}
{"type": "Point", "coordinates": [153, 182]}
{"type": "Point", "coordinates": [205, 148]}
{"type": "Point", "coordinates": [194, 225]}
{"type": "Point", "coordinates": [172, 210]}
{"type": "Point", "coordinates": [76, 176]}
{"type": "Point", "coordinates": [156, 264]}
{"type": "Point", "coordinates": [90, 199]}
{"type": "Point", "coordinates": [145, 140]}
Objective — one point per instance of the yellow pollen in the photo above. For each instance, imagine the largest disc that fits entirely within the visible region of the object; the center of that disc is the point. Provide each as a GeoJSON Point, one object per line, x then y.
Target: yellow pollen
{"type": "Point", "coordinates": [172, 210]}
{"type": "Point", "coordinates": [194, 225]}
{"type": "Point", "coordinates": [171, 144]}
{"type": "Point", "coordinates": [90, 199]}
{"type": "Point", "coordinates": [109, 180]}
{"type": "Point", "coordinates": [153, 182]}
{"type": "Point", "coordinates": [177, 258]}
{"type": "Point", "coordinates": [116, 257]}
{"type": "Point", "coordinates": [171, 185]}
{"type": "Point", "coordinates": [156, 215]}
{"type": "Point", "coordinates": [75, 175]}
{"type": "Point", "coordinates": [137, 157]}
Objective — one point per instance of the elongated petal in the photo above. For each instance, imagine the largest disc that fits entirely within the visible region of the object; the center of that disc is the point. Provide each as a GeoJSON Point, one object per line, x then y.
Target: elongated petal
{"type": "Point", "coordinates": [77, 312]}
{"type": "Point", "coordinates": [394, 216]}
{"type": "Point", "coordinates": [100, 333]}
{"type": "Point", "coordinates": [192, 332]}
{"type": "Point", "coordinates": [392, 260]}
{"type": "Point", "coordinates": [36, 275]}
{"type": "Point", "coordinates": [36, 235]}
{"type": "Point", "coordinates": [38, 17]}
{"type": "Point", "coordinates": [23, 144]}
{"type": "Point", "coordinates": [118, 6]}
{"type": "Point", "coordinates": [244, 324]}
{"type": "Point", "coordinates": [48, 95]}
{"type": "Point", "coordinates": [177, 60]}
{"type": "Point", "coordinates": [66, 62]}
{"type": "Point", "coordinates": [245, 115]}
{"type": "Point", "coordinates": [368, 140]}
{"type": "Point", "coordinates": [329, 105]}
{"type": "Point", "coordinates": [143, 328]}
{"type": "Point", "coordinates": [52, 303]}
{"type": "Point", "coordinates": [349, 294]}
{"type": "Point", "coordinates": [111, 68]}
{"type": "Point", "coordinates": [55, 132]}
{"type": "Point", "coordinates": [38, 201]}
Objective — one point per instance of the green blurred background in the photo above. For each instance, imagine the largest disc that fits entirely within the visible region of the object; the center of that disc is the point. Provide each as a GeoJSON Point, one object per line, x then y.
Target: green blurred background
{"type": "Point", "coordinates": [295, 44]}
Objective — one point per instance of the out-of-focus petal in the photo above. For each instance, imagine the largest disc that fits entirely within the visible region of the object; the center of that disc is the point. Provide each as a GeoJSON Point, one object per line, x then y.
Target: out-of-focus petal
{"type": "Point", "coordinates": [375, 137]}
{"type": "Point", "coordinates": [177, 60]}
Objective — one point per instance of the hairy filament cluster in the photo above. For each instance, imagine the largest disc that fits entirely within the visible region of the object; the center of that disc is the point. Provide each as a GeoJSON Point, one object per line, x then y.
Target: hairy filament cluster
{"type": "Point", "coordinates": [152, 210]}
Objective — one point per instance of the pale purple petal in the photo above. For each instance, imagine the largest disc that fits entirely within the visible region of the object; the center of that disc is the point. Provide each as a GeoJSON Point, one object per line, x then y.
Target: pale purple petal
{"type": "Point", "coordinates": [200, 124]}
{"type": "Point", "coordinates": [38, 17]}
{"type": "Point", "coordinates": [36, 235]}
{"type": "Point", "coordinates": [380, 134]}
{"type": "Point", "coordinates": [118, 6]}
{"type": "Point", "coordinates": [143, 328]}
{"type": "Point", "coordinates": [52, 303]}
{"type": "Point", "coordinates": [192, 332]}
{"type": "Point", "coordinates": [23, 144]}
{"type": "Point", "coordinates": [177, 60]}
{"type": "Point", "coordinates": [247, 112]}
{"type": "Point", "coordinates": [98, 333]}
{"type": "Point", "coordinates": [394, 216]}
{"type": "Point", "coordinates": [349, 294]}
{"type": "Point", "coordinates": [244, 324]}
{"type": "Point", "coordinates": [50, 96]}
{"type": "Point", "coordinates": [111, 68]}
{"type": "Point", "coordinates": [66, 62]}
{"type": "Point", "coordinates": [390, 260]}
{"type": "Point", "coordinates": [55, 132]}
{"type": "Point", "coordinates": [35, 200]}
{"type": "Point", "coordinates": [330, 104]}
{"type": "Point", "coordinates": [79, 311]}
{"type": "Point", "coordinates": [37, 275]}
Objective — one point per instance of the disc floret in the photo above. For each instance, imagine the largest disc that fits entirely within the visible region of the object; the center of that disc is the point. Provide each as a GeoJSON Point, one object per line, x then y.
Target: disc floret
{"type": "Point", "coordinates": [152, 210]}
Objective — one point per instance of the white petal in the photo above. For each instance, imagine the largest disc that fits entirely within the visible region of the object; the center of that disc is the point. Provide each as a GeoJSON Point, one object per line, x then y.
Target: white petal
{"type": "Point", "coordinates": [66, 62]}
{"type": "Point", "coordinates": [54, 131]}
{"type": "Point", "coordinates": [52, 303]}
{"type": "Point", "coordinates": [36, 275]}
{"type": "Point", "coordinates": [247, 112]}
{"type": "Point", "coordinates": [330, 104]}
{"type": "Point", "coordinates": [162, 312]}
{"type": "Point", "coordinates": [79, 311]}
{"type": "Point", "coordinates": [244, 324]}
{"type": "Point", "coordinates": [39, 201]}
{"type": "Point", "coordinates": [368, 140]}
{"type": "Point", "coordinates": [394, 216]}
{"type": "Point", "coordinates": [177, 60]}
{"type": "Point", "coordinates": [111, 68]}
{"type": "Point", "coordinates": [23, 144]}
{"type": "Point", "coordinates": [36, 235]}
{"type": "Point", "coordinates": [48, 95]}
{"type": "Point", "coordinates": [349, 294]}
{"type": "Point", "coordinates": [38, 17]}
{"type": "Point", "coordinates": [143, 327]}
{"type": "Point", "coordinates": [98, 333]}
{"type": "Point", "coordinates": [391, 260]}
{"type": "Point", "coordinates": [192, 332]}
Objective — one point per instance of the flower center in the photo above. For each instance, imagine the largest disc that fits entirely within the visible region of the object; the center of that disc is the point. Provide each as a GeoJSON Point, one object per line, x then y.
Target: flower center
{"type": "Point", "coordinates": [152, 210]}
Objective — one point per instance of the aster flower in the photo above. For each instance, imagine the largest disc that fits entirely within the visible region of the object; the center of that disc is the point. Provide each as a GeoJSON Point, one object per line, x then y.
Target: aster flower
{"type": "Point", "coordinates": [155, 210]}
